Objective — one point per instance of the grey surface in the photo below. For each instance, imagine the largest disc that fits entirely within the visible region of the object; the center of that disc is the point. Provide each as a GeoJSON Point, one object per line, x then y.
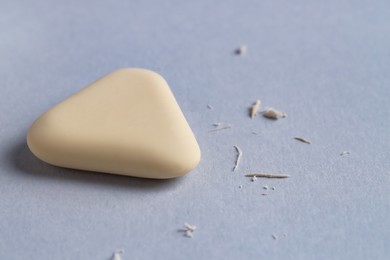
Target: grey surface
{"type": "Point", "coordinates": [326, 63]}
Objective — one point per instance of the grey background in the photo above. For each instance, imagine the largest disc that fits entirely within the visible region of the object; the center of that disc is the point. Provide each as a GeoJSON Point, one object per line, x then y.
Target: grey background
{"type": "Point", "coordinates": [326, 63]}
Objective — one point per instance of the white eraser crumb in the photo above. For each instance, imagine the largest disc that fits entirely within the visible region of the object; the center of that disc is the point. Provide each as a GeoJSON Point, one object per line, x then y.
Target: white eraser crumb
{"type": "Point", "coordinates": [219, 126]}
{"type": "Point", "coordinates": [189, 227]}
{"type": "Point", "coordinates": [238, 158]}
{"type": "Point", "coordinates": [118, 255]}
{"type": "Point", "coordinates": [255, 108]}
{"type": "Point", "coordinates": [272, 113]}
{"type": "Point", "coordinates": [188, 230]}
{"type": "Point", "coordinates": [302, 139]}
{"type": "Point", "coordinates": [189, 233]}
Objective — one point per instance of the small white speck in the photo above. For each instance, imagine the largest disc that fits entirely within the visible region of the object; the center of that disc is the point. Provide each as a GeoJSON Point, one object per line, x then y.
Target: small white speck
{"type": "Point", "coordinates": [240, 187]}
{"type": "Point", "coordinates": [188, 230]}
{"type": "Point", "coordinates": [344, 153]}
{"type": "Point", "coordinates": [254, 178]}
{"type": "Point", "coordinates": [189, 227]}
{"type": "Point", "coordinates": [118, 255]}
{"type": "Point", "coordinates": [265, 187]}
{"type": "Point", "coordinates": [189, 233]}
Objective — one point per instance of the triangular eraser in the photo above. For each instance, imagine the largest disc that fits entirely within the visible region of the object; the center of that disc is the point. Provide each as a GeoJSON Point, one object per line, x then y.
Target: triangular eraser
{"type": "Point", "coordinates": [127, 123]}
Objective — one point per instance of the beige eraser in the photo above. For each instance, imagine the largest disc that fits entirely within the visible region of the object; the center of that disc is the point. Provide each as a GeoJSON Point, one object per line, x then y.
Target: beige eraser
{"type": "Point", "coordinates": [127, 123]}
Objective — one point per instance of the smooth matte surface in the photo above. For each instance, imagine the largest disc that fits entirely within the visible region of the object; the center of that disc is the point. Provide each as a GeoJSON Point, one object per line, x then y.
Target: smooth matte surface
{"type": "Point", "coordinates": [127, 122]}
{"type": "Point", "coordinates": [325, 63]}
